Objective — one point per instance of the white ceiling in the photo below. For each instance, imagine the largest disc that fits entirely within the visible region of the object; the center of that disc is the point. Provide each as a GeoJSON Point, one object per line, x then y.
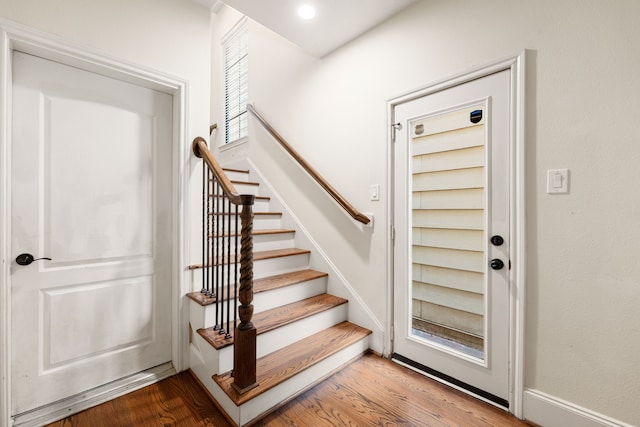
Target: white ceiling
{"type": "Point", "coordinates": [336, 21]}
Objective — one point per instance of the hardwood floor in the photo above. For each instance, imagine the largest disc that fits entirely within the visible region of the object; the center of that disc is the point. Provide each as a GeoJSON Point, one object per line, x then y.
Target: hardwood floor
{"type": "Point", "coordinates": [370, 392]}
{"type": "Point", "coordinates": [176, 401]}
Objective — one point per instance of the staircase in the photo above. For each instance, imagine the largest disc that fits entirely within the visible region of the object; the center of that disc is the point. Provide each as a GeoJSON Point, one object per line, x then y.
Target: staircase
{"type": "Point", "coordinates": [303, 333]}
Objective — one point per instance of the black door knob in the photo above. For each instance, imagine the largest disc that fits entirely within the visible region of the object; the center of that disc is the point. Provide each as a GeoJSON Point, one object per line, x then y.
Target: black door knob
{"type": "Point", "coordinates": [497, 264]}
{"type": "Point", "coordinates": [26, 259]}
{"type": "Point", "coordinates": [497, 240]}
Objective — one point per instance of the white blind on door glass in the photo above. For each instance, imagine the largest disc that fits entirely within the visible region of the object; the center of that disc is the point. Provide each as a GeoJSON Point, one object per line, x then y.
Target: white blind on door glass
{"type": "Point", "coordinates": [448, 220]}
{"type": "Point", "coordinates": [236, 83]}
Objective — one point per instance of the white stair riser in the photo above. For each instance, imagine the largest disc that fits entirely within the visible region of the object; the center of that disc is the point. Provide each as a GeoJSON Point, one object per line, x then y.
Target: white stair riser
{"type": "Point", "coordinates": [237, 176]}
{"type": "Point", "coordinates": [267, 300]}
{"type": "Point", "coordinates": [278, 338]}
{"type": "Point", "coordinates": [260, 205]}
{"type": "Point", "coordinates": [205, 317]}
{"type": "Point", "coordinates": [274, 266]}
{"type": "Point", "coordinates": [216, 361]}
{"type": "Point", "coordinates": [261, 268]}
{"type": "Point", "coordinates": [288, 334]}
{"type": "Point", "coordinates": [221, 222]}
{"type": "Point", "coordinates": [261, 222]}
{"type": "Point", "coordinates": [209, 355]}
{"type": "Point", "coordinates": [246, 188]}
{"type": "Point", "coordinates": [261, 242]}
{"type": "Point", "coordinates": [292, 387]}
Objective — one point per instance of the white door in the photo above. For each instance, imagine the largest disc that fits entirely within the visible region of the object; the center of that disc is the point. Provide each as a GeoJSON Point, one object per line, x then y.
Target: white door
{"type": "Point", "coordinates": [451, 253]}
{"type": "Point", "coordinates": [90, 189]}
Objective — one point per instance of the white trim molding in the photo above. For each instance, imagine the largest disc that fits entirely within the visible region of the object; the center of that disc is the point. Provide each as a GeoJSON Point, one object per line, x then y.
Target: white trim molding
{"type": "Point", "coordinates": [5, 306]}
{"type": "Point", "coordinates": [549, 411]}
{"type": "Point", "coordinates": [516, 65]}
{"type": "Point", "coordinates": [15, 36]}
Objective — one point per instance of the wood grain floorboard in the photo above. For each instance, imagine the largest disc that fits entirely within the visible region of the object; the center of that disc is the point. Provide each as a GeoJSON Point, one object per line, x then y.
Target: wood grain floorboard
{"type": "Point", "coordinates": [369, 392]}
{"type": "Point", "coordinates": [176, 401]}
{"type": "Point", "coordinates": [376, 392]}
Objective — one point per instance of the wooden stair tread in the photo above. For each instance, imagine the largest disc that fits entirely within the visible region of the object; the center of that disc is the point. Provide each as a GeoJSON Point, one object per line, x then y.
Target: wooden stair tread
{"type": "Point", "coordinates": [260, 255]}
{"type": "Point", "coordinates": [266, 284]}
{"type": "Point", "coordinates": [254, 214]}
{"type": "Point", "coordinates": [286, 279]}
{"type": "Point", "coordinates": [236, 170]}
{"type": "Point", "coordinates": [259, 232]}
{"type": "Point", "coordinates": [277, 253]}
{"type": "Point", "coordinates": [269, 320]}
{"type": "Point", "coordinates": [263, 198]}
{"type": "Point", "coordinates": [234, 182]}
{"type": "Point", "coordinates": [283, 364]}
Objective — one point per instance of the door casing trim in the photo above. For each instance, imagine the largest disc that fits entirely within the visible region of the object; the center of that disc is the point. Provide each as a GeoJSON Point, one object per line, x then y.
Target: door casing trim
{"type": "Point", "coordinates": [517, 291]}
{"type": "Point", "coordinates": [15, 36]}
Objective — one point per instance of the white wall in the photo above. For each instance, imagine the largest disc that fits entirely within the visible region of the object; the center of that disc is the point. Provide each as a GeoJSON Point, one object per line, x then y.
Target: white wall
{"type": "Point", "coordinates": [167, 36]}
{"type": "Point", "coordinates": [583, 280]}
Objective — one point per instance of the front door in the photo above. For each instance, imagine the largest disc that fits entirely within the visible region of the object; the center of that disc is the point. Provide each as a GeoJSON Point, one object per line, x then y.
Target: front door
{"type": "Point", "coordinates": [451, 253]}
{"type": "Point", "coordinates": [91, 190]}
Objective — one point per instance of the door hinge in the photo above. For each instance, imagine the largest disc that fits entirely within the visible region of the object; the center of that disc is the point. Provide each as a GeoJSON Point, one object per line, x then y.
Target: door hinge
{"type": "Point", "coordinates": [393, 232]}
{"type": "Point", "coordinates": [394, 128]}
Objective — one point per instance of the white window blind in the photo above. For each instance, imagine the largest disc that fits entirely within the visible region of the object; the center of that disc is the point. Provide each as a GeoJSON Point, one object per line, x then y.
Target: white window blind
{"type": "Point", "coordinates": [236, 79]}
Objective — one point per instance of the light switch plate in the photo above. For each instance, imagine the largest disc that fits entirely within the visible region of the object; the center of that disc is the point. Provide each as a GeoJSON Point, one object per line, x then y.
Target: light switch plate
{"type": "Point", "coordinates": [375, 192]}
{"type": "Point", "coordinates": [558, 181]}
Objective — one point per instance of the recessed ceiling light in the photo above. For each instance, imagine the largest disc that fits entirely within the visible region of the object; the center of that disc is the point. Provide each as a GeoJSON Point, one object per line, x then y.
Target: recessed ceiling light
{"type": "Point", "coordinates": [306, 11]}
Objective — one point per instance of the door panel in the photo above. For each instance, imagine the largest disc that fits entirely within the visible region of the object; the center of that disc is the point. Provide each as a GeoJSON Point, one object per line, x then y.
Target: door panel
{"type": "Point", "coordinates": [91, 189]}
{"type": "Point", "coordinates": [451, 195]}
{"type": "Point", "coordinates": [123, 193]}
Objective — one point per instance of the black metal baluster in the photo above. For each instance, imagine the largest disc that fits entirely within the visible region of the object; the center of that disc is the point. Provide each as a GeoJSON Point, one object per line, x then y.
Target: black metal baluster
{"type": "Point", "coordinates": [235, 279]}
{"type": "Point", "coordinates": [214, 258]}
{"type": "Point", "coordinates": [210, 234]}
{"type": "Point", "coordinates": [223, 264]}
{"type": "Point", "coordinates": [220, 257]}
{"type": "Point", "coordinates": [209, 231]}
{"type": "Point", "coordinates": [229, 270]}
{"type": "Point", "coordinates": [205, 174]}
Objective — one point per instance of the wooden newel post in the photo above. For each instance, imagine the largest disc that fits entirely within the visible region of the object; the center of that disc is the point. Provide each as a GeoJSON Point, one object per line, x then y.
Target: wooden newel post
{"type": "Point", "coordinates": [244, 352]}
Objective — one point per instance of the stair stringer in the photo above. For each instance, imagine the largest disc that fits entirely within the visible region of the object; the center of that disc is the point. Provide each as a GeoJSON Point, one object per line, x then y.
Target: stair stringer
{"type": "Point", "coordinates": [338, 285]}
{"type": "Point", "coordinates": [202, 372]}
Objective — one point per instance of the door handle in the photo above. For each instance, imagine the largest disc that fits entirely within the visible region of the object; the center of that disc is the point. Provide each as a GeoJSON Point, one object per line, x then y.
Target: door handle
{"type": "Point", "coordinates": [496, 264]}
{"type": "Point", "coordinates": [26, 259]}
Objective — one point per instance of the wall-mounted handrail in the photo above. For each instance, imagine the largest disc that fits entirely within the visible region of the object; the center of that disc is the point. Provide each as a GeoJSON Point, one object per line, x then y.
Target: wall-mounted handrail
{"type": "Point", "coordinates": [220, 264]}
{"type": "Point", "coordinates": [348, 207]}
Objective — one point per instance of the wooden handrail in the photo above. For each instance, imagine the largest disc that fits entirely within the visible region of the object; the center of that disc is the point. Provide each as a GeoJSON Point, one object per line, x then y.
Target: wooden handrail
{"type": "Point", "coordinates": [353, 212]}
{"type": "Point", "coordinates": [200, 149]}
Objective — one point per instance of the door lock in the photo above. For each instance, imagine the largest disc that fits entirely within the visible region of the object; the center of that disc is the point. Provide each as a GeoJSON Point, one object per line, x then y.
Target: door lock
{"type": "Point", "coordinates": [497, 240]}
{"type": "Point", "coordinates": [26, 259]}
{"type": "Point", "coordinates": [496, 264]}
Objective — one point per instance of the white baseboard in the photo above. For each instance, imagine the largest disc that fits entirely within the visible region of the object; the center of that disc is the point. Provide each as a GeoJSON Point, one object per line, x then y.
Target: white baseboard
{"type": "Point", "coordinates": [549, 411]}
{"type": "Point", "coordinates": [74, 404]}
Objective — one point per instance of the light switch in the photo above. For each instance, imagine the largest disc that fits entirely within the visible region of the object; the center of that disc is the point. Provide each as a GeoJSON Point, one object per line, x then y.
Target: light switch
{"type": "Point", "coordinates": [558, 181]}
{"type": "Point", "coordinates": [375, 192]}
